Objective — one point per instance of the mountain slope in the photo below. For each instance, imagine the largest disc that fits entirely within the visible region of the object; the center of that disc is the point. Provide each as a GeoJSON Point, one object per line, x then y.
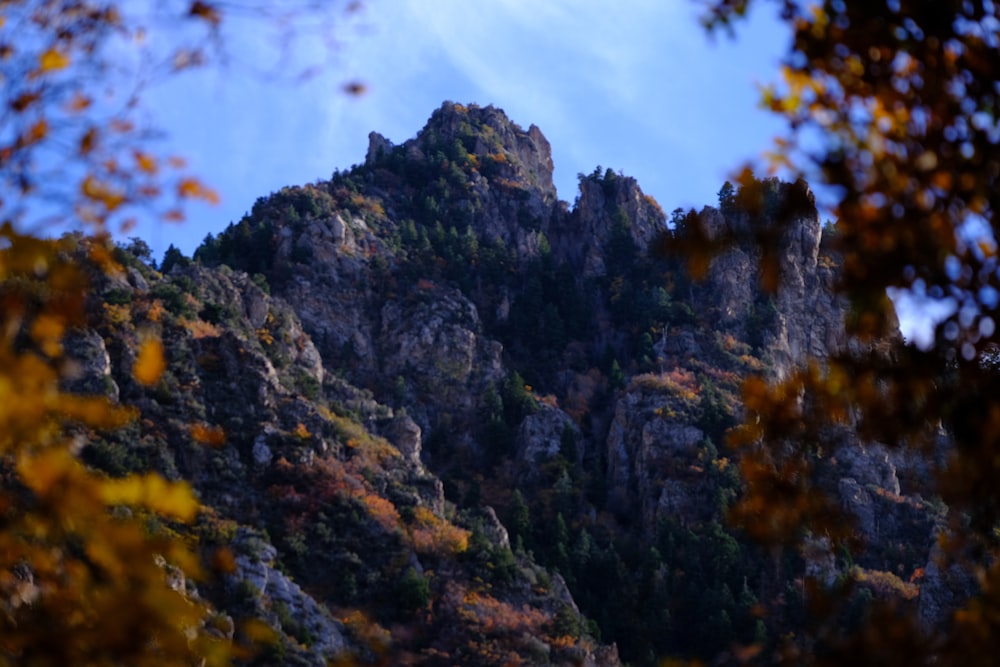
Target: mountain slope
{"type": "Point", "coordinates": [431, 340]}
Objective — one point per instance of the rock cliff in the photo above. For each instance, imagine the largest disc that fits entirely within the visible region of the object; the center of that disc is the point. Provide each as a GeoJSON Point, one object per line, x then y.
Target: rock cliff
{"type": "Point", "coordinates": [477, 425]}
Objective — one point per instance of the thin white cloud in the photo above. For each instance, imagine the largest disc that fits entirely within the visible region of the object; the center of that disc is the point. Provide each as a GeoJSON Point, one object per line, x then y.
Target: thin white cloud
{"type": "Point", "coordinates": [639, 90]}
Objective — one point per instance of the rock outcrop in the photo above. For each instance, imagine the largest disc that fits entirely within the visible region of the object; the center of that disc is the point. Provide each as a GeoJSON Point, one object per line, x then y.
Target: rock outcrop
{"type": "Point", "coordinates": [656, 458]}
{"type": "Point", "coordinates": [435, 343]}
{"type": "Point", "coordinates": [288, 606]}
{"type": "Point", "coordinates": [804, 318]}
{"type": "Point", "coordinates": [583, 238]}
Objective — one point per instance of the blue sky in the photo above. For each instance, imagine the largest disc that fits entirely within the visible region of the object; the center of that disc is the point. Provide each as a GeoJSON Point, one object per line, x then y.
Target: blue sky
{"type": "Point", "coordinates": [643, 90]}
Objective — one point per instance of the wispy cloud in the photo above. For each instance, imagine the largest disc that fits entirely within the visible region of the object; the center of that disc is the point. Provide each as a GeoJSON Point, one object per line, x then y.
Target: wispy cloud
{"type": "Point", "coordinates": [638, 89]}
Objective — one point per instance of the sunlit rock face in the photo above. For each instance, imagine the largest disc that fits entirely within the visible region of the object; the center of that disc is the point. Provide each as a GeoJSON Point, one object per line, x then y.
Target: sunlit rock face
{"type": "Point", "coordinates": [803, 318]}
{"type": "Point", "coordinates": [582, 238]}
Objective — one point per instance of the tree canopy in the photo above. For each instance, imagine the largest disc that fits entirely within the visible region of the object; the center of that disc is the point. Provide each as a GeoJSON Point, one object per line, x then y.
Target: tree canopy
{"type": "Point", "coordinates": [894, 105]}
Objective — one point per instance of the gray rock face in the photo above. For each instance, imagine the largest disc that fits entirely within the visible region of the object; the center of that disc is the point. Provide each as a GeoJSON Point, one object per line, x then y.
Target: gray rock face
{"type": "Point", "coordinates": [858, 502]}
{"type": "Point", "coordinates": [255, 565]}
{"type": "Point", "coordinates": [437, 343]}
{"type": "Point", "coordinates": [531, 149]}
{"type": "Point", "coordinates": [654, 463]}
{"type": "Point", "coordinates": [262, 454]}
{"type": "Point", "coordinates": [91, 365]}
{"type": "Point", "coordinates": [406, 435]}
{"type": "Point", "coordinates": [540, 435]}
{"type": "Point", "coordinates": [870, 465]}
{"type": "Point", "coordinates": [945, 588]}
{"type": "Point", "coordinates": [326, 259]}
{"type": "Point", "coordinates": [583, 238]}
{"type": "Point", "coordinates": [385, 318]}
{"type": "Point", "coordinates": [495, 531]}
{"type": "Point", "coordinates": [378, 147]}
{"type": "Point", "coordinates": [803, 319]}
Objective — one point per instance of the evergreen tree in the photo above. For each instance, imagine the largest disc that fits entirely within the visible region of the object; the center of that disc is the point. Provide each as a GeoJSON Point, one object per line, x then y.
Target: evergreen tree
{"type": "Point", "coordinates": [173, 257]}
{"type": "Point", "coordinates": [519, 521]}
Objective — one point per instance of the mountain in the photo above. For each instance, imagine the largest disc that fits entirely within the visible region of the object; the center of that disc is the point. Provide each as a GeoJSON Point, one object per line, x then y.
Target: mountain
{"type": "Point", "coordinates": [452, 419]}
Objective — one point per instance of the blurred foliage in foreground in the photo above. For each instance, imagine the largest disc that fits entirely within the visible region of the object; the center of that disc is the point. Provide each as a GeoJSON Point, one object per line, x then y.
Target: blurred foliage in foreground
{"type": "Point", "coordinates": [91, 571]}
{"type": "Point", "coordinates": [902, 97]}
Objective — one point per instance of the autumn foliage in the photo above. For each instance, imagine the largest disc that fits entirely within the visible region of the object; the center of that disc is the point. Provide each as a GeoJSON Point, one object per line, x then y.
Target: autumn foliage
{"type": "Point", "coordinates": [902, 99]}
{"type": "Point", "coordinates": [93, 570]}
{"type": "Point", "coordinates": [77, 559]}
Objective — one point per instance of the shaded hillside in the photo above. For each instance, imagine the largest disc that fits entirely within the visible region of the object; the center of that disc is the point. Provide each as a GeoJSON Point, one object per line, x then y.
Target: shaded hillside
{"type": "Point", "coordinates": [342, 539]}
{"type": "Point", "coordinates": [431, 340]}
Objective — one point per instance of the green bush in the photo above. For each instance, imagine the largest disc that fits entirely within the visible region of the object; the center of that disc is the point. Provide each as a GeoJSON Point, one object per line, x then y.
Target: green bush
{"type": "Point", "coordinates": [413, 591]}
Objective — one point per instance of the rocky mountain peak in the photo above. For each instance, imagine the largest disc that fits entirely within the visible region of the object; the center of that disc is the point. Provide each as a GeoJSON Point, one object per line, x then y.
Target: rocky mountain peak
{"type": "Point", "coordinates": [774, 285]}
{"type": "Point", "coordinates": [487, 131]}
{"type": "Point", "coordinates": [608, 204]}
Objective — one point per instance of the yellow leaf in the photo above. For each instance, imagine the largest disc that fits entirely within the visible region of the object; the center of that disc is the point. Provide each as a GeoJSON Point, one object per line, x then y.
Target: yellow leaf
{"type": "Point", "coordinates": [152, 492]}
{"type": "Point", "coordinates": [53, 60]}
{"type": "Point", "coordinates": [41, 473]}
{"type": "Point", "coordinates": [150, 364]}
{"type": "Point", "coordinates": [46, 331]}
{"type": "Point", "coordinates": [257, 631]}
{"type": "Point", "coordinates": [101, 192]}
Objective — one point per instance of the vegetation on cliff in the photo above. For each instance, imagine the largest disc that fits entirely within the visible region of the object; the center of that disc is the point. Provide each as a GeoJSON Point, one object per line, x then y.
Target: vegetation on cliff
{"type": "Point", "coordinates": [425, 412]}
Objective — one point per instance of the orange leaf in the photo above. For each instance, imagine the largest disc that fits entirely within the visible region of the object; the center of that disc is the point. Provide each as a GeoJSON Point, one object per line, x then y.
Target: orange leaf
{"type": "Point", "coordinates": [24, 100]}
{"type": "Point", "coordinates": [37, 132]}
{"type": "Point", "coordinates": [79, 102]}
{"type": "Point", "coordinates": [192, 188]}
{"type": "Point", "coordinates": [99, 255]}
{"type": "Point", "coordinates": [97, 191]}
{"type": "Point", "coordinates": [87, 141]}
{"type": "Point", "coordinates": [214, 436]}
{"type": "Point", "coordinates": [150, 364]}
{"type": "Point", "coordinates": [355, 88]}
{"type": "Point", "coordinates": [146, 162]}
{"type": "Point", "coordinates": [223, 561]}
{"type": "Point", "coordinates": [205, 11]}
{"type": "Point", "coordinates": [121, 125]}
